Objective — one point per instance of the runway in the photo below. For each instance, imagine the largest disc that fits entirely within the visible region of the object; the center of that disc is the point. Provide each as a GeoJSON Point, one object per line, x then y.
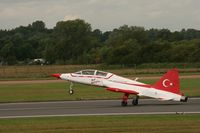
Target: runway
{"type": "Point", "coordinates": [96, 107]}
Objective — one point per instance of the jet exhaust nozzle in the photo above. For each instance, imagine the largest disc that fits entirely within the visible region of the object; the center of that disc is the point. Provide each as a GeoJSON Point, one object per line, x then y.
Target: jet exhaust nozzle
{"type": "Point", "coordinates": [184, 99]}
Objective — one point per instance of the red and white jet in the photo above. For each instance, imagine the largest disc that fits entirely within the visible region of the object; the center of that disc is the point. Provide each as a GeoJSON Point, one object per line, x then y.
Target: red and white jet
{"type": "Point", "coordinates": [167, 88]}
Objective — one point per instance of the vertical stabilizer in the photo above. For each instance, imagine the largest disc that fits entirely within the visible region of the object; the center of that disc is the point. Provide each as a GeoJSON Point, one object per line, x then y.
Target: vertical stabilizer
{"type": "Point", "coordinates": [169, 82]}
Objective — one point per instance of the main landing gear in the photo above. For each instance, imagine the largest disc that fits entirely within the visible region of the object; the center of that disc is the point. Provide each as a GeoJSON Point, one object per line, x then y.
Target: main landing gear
{"type": "Point", "coordinates": [71, 91]}
{"type": "Point", "coordinates": [135, 101]}
{"type": "Point", "coordinates": [125, 100]}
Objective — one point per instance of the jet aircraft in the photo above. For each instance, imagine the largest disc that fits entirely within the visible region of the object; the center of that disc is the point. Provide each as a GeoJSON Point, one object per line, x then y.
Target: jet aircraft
{"type": "Point", "coordinates": [167, 88]}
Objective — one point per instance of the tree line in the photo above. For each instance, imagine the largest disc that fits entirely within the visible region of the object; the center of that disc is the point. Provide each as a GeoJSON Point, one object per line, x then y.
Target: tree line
{"type": "Point", "coordinates": [75, 42]}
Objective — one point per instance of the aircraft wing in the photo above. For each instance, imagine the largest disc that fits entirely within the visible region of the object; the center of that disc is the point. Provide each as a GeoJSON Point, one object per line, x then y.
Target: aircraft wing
{"type": "Point", "coordinates": [122, 91]}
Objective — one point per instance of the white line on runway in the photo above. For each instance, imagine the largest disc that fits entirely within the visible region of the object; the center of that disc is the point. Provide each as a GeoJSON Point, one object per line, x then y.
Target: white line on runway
{"type": "Point", "coordinates": [103, 114]}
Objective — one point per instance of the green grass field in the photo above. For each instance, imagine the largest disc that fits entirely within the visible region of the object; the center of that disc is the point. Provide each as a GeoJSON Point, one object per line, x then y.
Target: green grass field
{"type": "Point", "coordinates": [59, 91]}
{"type": "Point", "coordinates": [51, 91]}
{"type": "Point", "coordinates": [44, 72]}
{"type": "Point", "coordinates": [100, 124]}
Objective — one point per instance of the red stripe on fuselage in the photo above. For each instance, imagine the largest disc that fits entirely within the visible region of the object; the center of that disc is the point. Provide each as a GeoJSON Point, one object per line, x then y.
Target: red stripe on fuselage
{"type": "Point", "coordinates": [122, 91]}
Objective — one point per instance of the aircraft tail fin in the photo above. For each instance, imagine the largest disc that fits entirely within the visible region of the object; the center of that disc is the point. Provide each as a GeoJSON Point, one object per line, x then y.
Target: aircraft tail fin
{"type": "Point", "coordinates": [169, 82]}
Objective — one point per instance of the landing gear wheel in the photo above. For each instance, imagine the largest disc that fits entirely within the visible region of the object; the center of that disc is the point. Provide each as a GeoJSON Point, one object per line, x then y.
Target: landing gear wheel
{"type": "Point", "coordinates": [125, 99]}
{"type": "Point", "coordinates": [71, 92]}
{"type": "Point", "coordinates": [124, 103]}
{"type": "Point", "coordinates": [135, 101]}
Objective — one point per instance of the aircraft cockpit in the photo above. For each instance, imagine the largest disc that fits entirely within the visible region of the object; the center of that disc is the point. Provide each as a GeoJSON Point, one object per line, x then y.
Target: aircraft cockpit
{"type": "Point", "coordinates": [92, 72]}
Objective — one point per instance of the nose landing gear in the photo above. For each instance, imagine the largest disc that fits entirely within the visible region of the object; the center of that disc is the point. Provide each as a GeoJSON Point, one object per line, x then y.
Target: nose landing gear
{"type": "Point", "coordinates": [71, 91]}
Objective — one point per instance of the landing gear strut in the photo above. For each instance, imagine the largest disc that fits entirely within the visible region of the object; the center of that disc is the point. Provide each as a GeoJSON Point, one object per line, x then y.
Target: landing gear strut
{"type": "Point", "coordinates": [125, 99]}
{"type": "Point", "coordinates": [71, 91]}
{"type": "Point", "coordinates": [135, 101]}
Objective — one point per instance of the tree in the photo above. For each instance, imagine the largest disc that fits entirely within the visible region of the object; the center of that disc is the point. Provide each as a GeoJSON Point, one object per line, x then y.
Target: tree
{"type": "Point", "coordinates": [124, 45]}
{"type": "Point", "coordinates": [38, 26]}
{"type": "Point", "coordinates": [8, 54]}
{"type": "Point", "coordinates": [73, 39]}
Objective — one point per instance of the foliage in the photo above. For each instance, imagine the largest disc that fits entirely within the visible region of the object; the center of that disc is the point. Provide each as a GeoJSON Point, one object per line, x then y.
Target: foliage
{"type": "Point", "coordinates": [74, 42]}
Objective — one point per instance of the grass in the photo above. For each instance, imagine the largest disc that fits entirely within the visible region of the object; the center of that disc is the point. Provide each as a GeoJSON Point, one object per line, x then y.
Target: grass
{"type": "Point", "coordinates": [59, 91]}
{"type": "Point", "coordinates": [99, 124]}
{"type": "Point", "coordinates": [51, 91]}
{"type": "Point", "coordinates": [35, 72]}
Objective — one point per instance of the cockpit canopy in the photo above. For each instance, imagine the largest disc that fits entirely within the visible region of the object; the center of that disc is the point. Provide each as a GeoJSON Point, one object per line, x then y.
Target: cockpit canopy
{"type": "Point", "coordinates": [92, 72]}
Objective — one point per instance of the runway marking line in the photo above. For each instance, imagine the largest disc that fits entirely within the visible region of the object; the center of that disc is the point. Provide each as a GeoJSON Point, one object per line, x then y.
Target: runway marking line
{"type": "Point", "coordinates": [103, 114]}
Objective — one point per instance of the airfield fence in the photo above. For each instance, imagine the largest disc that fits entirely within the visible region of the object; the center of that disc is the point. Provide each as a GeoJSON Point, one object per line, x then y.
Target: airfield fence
{"type": "Point", "coordinates": [34, 72]}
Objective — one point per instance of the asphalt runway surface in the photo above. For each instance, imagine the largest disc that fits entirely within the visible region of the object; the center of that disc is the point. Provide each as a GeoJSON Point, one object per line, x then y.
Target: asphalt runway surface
{"type": "Point", "coordinates": [96, 107]}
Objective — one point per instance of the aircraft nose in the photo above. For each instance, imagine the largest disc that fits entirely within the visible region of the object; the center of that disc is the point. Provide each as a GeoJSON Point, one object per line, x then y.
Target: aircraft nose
{"type": "Point", "coordinates": [56, 75]}
{"type": "Point", "coordinates": [66, 76]}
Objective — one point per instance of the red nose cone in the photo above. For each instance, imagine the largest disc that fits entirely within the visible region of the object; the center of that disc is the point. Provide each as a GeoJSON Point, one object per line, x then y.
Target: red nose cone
{"type": "Point", "coordinates": [56, 75]}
